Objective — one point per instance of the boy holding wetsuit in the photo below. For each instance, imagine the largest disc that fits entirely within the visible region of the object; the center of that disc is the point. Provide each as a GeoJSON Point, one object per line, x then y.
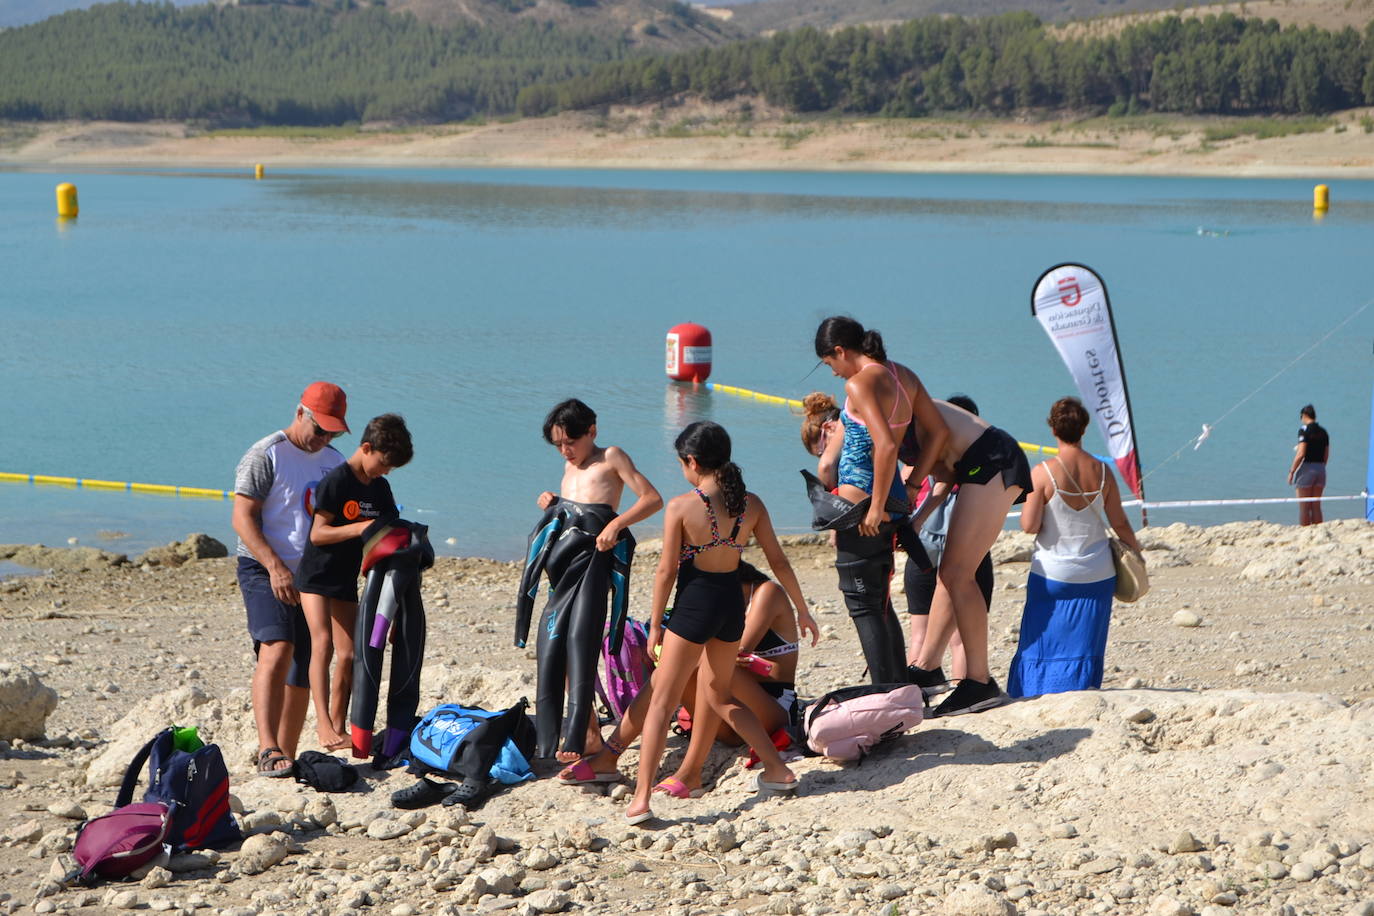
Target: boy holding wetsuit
{"type": "Point", "coordinates": [348, 501]}
{"type": "Point", "coordinates": [586, 549]}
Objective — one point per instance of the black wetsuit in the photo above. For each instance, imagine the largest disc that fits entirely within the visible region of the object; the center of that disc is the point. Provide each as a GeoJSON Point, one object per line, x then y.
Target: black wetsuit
{"type": "Point", "coordinates": [390, 606]}
{"type": "Point", "coordinates": [581, 578]}
{"type": "Point", "coordinates": [865, 565]}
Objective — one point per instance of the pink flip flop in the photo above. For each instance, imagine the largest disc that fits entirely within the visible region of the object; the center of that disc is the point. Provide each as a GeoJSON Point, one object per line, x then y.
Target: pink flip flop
{"type": "Point", "coordinates": [582, 774]}
{"type": "Point", "coordinates": [678, 789]}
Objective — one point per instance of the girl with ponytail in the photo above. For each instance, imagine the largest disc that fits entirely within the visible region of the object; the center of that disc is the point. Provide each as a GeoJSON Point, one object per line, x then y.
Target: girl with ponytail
{"type": "Point", "coordinates": [708, 611]}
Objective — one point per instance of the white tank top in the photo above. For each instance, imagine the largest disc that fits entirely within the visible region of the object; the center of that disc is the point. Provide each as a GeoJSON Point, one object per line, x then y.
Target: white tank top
{"type": "Point", "coordinates": [1072, 543]}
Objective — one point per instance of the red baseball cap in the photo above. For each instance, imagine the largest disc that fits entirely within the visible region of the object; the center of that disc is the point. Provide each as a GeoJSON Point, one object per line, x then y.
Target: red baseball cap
{"type": "Point", "coordinates": [329, 405]}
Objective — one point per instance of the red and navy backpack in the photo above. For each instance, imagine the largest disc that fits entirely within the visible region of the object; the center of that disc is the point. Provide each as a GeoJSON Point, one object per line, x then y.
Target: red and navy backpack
{"type": "Point", "coordinates": [190, 778]}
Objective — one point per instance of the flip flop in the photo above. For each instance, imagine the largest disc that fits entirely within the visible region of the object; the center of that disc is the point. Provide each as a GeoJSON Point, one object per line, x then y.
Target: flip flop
{"type": "Point", "coordinates": [268, 758]}
{"type": "Point", "coordinates": [635, 820]}
{"type": "Point", "coordinates": [762, 784]}
{"type": "Point", "coordinates": [582, 774]}
{"type": "Point", "coordinates": [678, 789]}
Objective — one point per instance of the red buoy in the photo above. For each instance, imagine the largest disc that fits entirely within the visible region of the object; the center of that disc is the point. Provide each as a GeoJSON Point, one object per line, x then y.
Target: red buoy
{"type": "Point", "coordinates": [689, 353]}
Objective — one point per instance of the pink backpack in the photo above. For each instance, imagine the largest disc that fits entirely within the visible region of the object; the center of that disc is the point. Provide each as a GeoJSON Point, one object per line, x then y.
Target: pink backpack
{"type": "Point", "coordinates": [846, 724]}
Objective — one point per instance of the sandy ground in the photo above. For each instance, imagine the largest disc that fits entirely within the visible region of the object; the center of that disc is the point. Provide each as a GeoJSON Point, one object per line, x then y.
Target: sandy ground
{"type": "Point", "coordinates": [1226, 766]}
{"type": "Point", "coordinates": [699, 136]}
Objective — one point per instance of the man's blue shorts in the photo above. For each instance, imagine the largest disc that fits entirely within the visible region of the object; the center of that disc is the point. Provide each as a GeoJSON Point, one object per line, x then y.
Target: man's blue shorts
{"type": "Point", "coordinates": [271, 621]}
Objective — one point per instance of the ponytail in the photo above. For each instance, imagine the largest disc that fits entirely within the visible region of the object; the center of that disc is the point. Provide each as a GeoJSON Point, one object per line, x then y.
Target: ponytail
{"type": "Point", "coordinates": [841, 331]}
{"type": "Point", "coordinates": [820, 408]}
{"type": "Point", "coordinates": [872, 346]}
{"type": "Point", "coordinates": [731, 481]}
{"type": "Point", "coordinates": [709, 444]}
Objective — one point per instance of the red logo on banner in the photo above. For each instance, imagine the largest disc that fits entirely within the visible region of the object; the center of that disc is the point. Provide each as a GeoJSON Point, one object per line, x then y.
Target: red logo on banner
{"type": "Point", "coordinates": [1069, 293]}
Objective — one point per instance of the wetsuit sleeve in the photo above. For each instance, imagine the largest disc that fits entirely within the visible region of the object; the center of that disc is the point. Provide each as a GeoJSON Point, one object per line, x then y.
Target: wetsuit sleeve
{"type": "Point", "coordinates": [622, 556]}
{"type": "Point", "coordinates": [542, 539]}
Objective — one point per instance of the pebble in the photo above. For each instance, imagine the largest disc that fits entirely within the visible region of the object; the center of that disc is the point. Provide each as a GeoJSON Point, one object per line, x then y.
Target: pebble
{"type": "Point", "coordinates": [1186, 619]}
{"type": "Point", "coordinates": [68, 809]}
{"type": "Point", "coordinates": [1184, 842]}
{"type": "Point", "coordinates": [384, 828]}
{"type": "Point", "coordinates": [1063, 831]}
{"type": "Point", "coordinates": [976, 900]}
{"type": "Point", "coordinates": [1140, 715]}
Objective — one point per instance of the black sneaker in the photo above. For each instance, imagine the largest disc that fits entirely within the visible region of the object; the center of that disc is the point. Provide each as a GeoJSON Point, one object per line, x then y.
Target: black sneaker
{"type": "Point", "coordinates": [932, 683]}
{"type": "Point", "coordinates": [970, 696]}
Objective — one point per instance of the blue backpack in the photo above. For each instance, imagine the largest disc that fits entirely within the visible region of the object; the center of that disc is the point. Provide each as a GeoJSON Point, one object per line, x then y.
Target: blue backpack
{"type": "Point", "coordinates": [471, 743]}
{"type": "Point", "coordinates": [190, 778]}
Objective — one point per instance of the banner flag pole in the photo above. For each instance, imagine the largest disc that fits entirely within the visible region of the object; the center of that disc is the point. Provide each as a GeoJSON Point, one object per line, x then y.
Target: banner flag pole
{"type": "Point", "coordinates": [1070, 302]}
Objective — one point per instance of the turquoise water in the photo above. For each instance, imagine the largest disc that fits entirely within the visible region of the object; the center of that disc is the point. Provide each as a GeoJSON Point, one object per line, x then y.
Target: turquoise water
{"type": "Point", "coordinates": [178, 319]}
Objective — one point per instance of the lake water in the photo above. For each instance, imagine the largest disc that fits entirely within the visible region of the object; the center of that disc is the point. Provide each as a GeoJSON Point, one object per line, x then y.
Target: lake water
{"type": "Point", "coordinates": [178, 319]}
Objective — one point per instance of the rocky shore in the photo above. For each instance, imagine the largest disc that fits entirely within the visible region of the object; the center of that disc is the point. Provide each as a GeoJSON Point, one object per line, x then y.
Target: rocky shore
{"type": "Point", "coordinates": [1227, 766]}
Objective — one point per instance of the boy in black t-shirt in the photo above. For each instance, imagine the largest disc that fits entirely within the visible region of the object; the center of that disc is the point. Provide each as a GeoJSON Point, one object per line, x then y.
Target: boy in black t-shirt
{"type": "Point", "coordinates": [347, 501]}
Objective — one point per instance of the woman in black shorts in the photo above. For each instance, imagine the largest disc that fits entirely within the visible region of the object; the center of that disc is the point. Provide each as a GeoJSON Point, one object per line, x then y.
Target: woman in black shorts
{"type": "Point", "coordinates": [708, 610]}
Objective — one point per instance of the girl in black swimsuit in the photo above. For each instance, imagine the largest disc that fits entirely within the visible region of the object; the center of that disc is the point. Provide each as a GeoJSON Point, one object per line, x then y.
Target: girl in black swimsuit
{"type": "Point", "coordinates": [708, 612]}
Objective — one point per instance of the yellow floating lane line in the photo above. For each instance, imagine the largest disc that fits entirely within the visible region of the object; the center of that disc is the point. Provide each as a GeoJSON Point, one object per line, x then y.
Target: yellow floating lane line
{"type": "Point", "coordinates": [92, 483]}
{"type": "Point", "coordinates": [165, 489]}
{"type": "Point", "coordinates": [49, 480]}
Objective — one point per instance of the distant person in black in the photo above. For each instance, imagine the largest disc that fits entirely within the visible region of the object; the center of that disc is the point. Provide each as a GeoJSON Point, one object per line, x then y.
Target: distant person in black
{"type": "Point", "coordinates": [347, 501]}
{"type": "Point", "coordinates": [1308, 472]}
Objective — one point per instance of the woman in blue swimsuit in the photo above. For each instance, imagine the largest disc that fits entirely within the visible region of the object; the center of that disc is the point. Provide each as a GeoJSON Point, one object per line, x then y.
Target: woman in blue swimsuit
{"type": "Point", "coordinates": [708, 612]}
{"type": "Point", "coordinates": [882, 398]}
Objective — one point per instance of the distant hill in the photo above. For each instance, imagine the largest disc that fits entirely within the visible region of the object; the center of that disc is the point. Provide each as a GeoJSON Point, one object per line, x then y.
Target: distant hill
{"type": "Point", "coordinates": [661, 25]}
{"type": "Point", "coordinates": [764, 16]}
{"type": "Point", "coordinates": [23, 12]}
{"type": "Point", "coordinates": [649, 24]}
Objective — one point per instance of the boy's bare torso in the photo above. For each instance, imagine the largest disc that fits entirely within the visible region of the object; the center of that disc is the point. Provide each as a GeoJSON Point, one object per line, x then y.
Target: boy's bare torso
{"type": "Point", "coordinates": [593, 481]}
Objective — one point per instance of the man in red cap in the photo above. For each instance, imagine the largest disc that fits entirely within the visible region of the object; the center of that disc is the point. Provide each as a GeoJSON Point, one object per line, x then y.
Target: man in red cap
{"type": "Point", "coordinates": [274, 491]}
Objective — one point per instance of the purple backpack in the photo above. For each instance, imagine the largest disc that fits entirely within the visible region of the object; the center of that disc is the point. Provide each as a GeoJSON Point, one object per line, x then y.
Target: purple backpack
{"type": "Point", "coordinates": [117, 844]}
{"type": "Point", "coordinates": [624, 673]}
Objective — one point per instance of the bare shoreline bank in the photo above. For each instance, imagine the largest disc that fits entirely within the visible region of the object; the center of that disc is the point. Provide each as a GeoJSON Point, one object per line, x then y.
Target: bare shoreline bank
{"type": "Point", "coordinates": [699, 137]}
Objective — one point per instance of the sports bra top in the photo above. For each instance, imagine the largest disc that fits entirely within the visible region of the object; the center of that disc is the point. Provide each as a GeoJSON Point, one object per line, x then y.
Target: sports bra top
{"type": "Point", "coordinates": [905, 397]}
{"type": "Point", "coordinates": [691, 550]}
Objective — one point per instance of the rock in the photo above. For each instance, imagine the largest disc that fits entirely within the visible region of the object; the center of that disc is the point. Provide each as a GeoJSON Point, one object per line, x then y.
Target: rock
{"type": "Point", "coordinates": [976, 900]}
{"type": "Point", "coordinates": [1063, 831]}
{"type": "Point", "coordinates": [1184, 842]}
{"type": "Point", "coordinates": [539, 859]}
{"type": "Point", "coordinates": [25, 703]}
{"type": "Point", "coordinates": [68, 809]}
{"type": "Point", "coordinates": [229, 723]}
{"type": "Point", "coordinates": [722, 837]}
{"type": "Point", "coordinates": [195, 547]}
{"type": "Point", "coordinates": [122, 900]}
{"type": "Point", "coordinates": [1186, 619]}
{"type": "Point", "coordinates": [184, 862]}
{"type": "Point", "coordinates": [1164, 905]}
{"type": "Point", "coordinates": [384, 828]}
{"type": "Point", "coordinates": [157, 877]}
{"type": "Point", "coordinates": [1140, 715]}
{"type": "Point", "coordinates": [1303, 872]}
{"type": "Point", "coordinates": [319, 812]}
{"type": "Point", "coordinates": [548, 901]}
{"type": "Point", "coordinates": [259, 853]}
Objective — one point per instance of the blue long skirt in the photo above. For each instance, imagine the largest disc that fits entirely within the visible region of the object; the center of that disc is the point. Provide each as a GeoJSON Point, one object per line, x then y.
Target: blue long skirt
{"type": "Point", "coordinates": [1063, 637]}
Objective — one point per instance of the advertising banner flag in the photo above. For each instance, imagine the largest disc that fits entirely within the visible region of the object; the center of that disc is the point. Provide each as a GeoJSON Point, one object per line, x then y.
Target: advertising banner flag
{"type": "Point", "coordinates": [1070, 302]}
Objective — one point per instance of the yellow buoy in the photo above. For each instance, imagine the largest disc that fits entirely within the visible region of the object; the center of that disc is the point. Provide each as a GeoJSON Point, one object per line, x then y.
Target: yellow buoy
{"type": "Point", "coordinates": [1321, 198]}
{"type": "Point", "coordinates": [257, 170]}
{"type": "Point", "coordinates": [66, 200]}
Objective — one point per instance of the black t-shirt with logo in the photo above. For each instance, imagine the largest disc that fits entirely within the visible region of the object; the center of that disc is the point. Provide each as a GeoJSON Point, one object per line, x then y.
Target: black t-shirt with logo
{"type": "Point", "coordinates": [1317, 443]}
{"type": "Point", "coordinates": [332, 569]}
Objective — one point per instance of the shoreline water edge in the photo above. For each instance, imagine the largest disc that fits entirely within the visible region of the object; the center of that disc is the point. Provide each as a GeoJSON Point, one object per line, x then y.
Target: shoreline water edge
{"type": "Point", "coordinates": [700, 136]}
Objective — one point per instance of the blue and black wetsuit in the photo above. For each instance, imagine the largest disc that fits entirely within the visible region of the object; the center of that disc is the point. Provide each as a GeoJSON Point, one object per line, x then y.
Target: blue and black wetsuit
{"type": "Point", "coordinates": [581, 580]}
